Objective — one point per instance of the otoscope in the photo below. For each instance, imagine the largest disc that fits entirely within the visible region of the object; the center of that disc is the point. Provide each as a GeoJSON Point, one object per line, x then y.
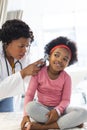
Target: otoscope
{"type": "Point", "coordinates": [44, 60]}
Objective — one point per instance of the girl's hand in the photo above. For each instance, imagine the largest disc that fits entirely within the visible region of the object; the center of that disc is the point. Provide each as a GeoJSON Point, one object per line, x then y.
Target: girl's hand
{"type": "Point", "coordinates": [52, 116]}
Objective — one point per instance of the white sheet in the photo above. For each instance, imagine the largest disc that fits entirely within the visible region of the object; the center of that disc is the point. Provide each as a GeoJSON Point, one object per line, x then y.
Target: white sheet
{"type": "Point", "coordinates": [12, 121]}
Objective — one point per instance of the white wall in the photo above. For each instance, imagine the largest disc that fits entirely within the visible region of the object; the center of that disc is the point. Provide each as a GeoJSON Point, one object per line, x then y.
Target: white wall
{"type": "Point", "coordinates": [35, 12]}
{"type": "Point", "coordinates": [15, 4]}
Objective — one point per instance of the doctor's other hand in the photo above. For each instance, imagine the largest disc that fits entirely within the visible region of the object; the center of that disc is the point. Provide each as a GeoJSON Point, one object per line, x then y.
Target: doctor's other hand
{"type": "Point", "coordinates": [25, 120]}
{"type": "Point", "coordinates": [32, 69]}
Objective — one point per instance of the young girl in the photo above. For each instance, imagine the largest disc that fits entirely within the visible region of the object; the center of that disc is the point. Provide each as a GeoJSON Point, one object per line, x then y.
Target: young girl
{"type": "Point", "coordinates": [53, 86]}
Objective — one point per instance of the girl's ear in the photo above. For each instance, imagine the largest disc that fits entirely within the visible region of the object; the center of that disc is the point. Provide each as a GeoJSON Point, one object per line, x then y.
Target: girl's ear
{"type": "Point", "coordinates": [48, 57]}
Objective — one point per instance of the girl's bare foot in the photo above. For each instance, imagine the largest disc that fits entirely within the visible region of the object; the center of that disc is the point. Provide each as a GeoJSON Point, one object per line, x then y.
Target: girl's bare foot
{"type": "Point", "coordinates": [24, 128]}
{"type": "Point", "coordinates": [35, 126]}
{"type": "Point", "coordinates": [38, 126]}
{"type": "Point", "coordinates": [29, 126]}
{"type": "Point", "coordinates": [81, 125]}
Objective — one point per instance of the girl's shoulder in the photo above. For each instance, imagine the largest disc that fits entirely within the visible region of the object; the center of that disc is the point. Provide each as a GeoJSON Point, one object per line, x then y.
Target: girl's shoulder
{"type": "Point", "coordinates": [43, 69]}
{"type": "Point", "coordinates": [65, 74]}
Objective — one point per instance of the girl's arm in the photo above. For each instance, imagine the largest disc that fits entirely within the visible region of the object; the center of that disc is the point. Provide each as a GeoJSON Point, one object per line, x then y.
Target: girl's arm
{"type": "Point", "coordinates": [66, 95]}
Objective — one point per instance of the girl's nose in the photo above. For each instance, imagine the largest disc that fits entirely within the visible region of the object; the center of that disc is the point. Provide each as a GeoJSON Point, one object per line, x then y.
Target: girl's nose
{"type": "Point", "coordinates": [60, 59]}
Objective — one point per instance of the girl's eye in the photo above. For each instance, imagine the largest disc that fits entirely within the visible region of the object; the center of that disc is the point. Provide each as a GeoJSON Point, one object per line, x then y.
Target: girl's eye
{"type": "Point", "coordinates": [65, 59]}
{"type": "Point", "coordinates": [56, 55]}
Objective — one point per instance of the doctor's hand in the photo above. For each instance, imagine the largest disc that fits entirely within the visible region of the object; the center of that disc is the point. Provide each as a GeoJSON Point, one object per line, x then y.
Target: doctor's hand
{"type": "Point", "coordinates": [52, 116]}
{"type": "Point", "coordinates": [32, 69]}
{"type": "Point", "coordinates": [24, 122]}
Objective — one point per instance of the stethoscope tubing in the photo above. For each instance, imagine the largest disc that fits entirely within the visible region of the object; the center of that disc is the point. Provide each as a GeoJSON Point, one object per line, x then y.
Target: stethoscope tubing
{"type": "Point", "coordinates": [14, 65]}
{"type": "Point", "coordinates": [7, 63]}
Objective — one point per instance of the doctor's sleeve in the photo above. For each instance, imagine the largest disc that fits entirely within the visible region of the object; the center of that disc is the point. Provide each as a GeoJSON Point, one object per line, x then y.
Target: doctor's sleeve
{"type": "Point", "coordinates": [11, 86]}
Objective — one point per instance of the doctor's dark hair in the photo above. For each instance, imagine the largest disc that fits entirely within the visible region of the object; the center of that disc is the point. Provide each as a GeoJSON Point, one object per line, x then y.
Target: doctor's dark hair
{"type": "Point", "coordinates": [14, 29]}
{"type": "Point", "coordinates": [66, 42]}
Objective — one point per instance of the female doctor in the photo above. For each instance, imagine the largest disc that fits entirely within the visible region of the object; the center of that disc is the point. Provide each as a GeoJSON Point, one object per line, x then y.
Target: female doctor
{"type": "Point", "coordinates": [16, 37]}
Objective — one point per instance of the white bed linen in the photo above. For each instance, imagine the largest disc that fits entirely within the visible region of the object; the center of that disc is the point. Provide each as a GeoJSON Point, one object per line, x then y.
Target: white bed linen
{"type": "Point", "coordinates": [12, 121]}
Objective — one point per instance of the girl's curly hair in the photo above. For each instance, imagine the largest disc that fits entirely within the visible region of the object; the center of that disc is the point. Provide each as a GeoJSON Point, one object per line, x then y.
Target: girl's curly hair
{"type": "Point", "coordinates": [63, 41]}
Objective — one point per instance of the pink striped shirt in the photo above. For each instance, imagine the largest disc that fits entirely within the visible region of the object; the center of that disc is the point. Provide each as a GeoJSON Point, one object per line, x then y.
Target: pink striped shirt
{"type": "Point", "coordinates": [50, 92]}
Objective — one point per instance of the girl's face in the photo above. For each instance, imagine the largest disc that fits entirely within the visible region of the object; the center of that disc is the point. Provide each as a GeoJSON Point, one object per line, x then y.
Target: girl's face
{"type": "Point", "coordinates": [59, 59]}
{"type": "Point", "coordinates": [17, 48]}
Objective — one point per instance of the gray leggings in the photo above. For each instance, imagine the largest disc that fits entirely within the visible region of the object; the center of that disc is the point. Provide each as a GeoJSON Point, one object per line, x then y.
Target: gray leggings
{"type": "Point", "coordinates": [72, 117]}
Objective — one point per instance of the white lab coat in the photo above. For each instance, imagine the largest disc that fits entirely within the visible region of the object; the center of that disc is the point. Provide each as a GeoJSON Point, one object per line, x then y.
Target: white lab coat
{"type": "Point", "coordinates": [14, 84]}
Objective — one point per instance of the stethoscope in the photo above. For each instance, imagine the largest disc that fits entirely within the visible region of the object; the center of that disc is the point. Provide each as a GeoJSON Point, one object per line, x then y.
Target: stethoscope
{"type": "Point", "coordinates": [17, 62]}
